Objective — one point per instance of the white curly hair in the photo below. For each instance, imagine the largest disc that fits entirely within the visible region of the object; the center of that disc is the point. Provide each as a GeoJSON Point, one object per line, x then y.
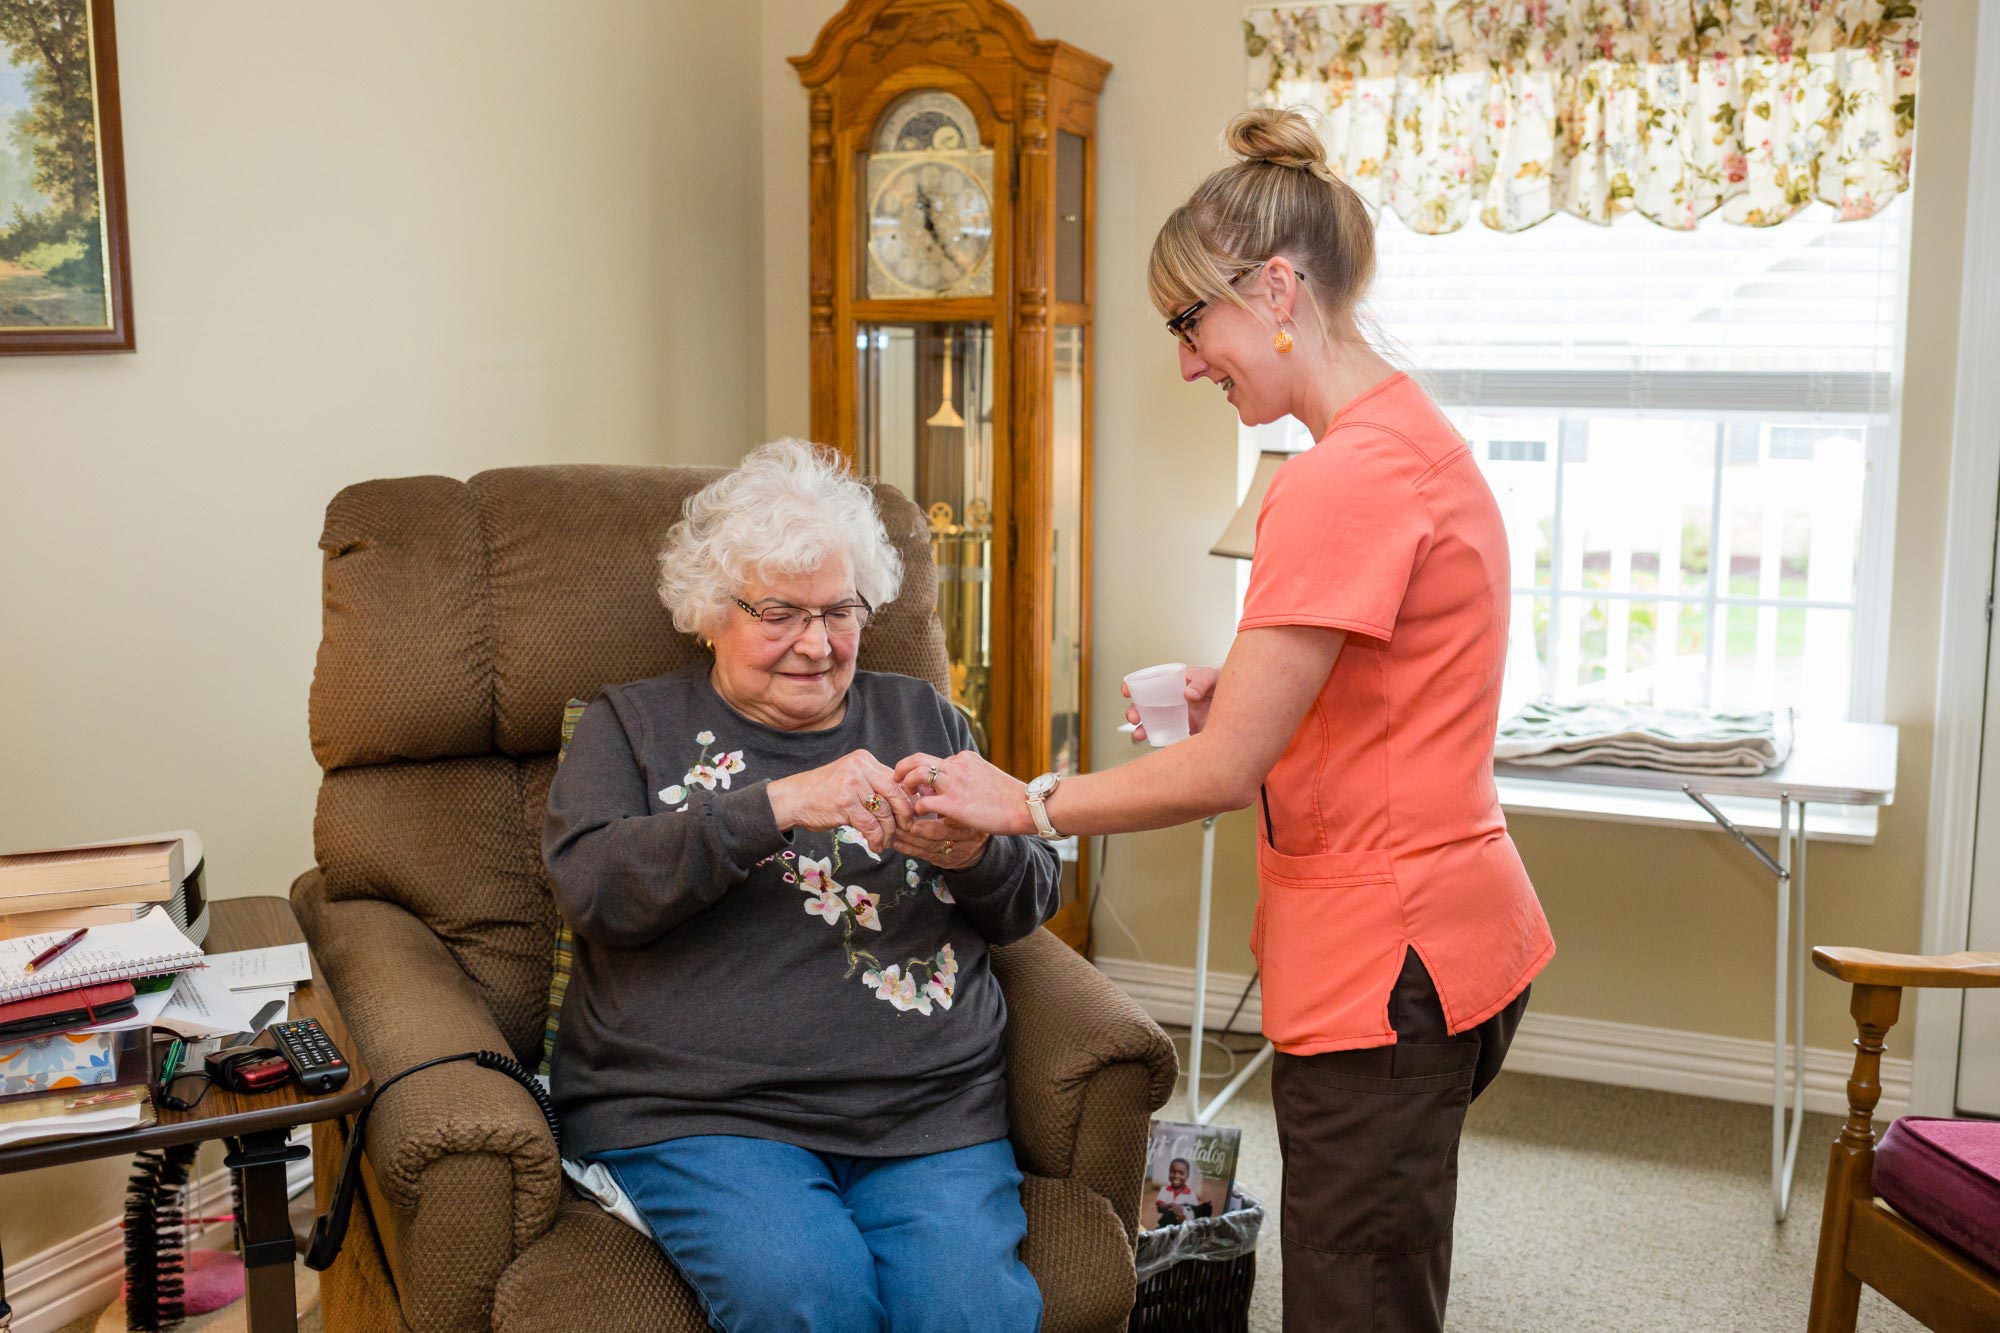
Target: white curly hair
{"type": "Point", "coordinates": [786, 509]}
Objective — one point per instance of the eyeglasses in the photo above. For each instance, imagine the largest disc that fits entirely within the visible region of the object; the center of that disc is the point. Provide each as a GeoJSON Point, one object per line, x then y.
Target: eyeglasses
{"type": "Point", "coordinates": [1181, 325]}
{"type": "Point", "coordinates": [782, 622]}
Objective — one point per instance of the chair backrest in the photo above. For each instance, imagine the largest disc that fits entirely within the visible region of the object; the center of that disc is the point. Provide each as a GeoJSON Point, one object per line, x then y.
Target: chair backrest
{"type": "Point", "coordinates": [459, 616]}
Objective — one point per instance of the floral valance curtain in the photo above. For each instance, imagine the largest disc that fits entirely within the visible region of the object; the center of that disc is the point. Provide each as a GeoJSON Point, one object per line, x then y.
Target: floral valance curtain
{"type": "Point", "coordinates": [1510, 111]}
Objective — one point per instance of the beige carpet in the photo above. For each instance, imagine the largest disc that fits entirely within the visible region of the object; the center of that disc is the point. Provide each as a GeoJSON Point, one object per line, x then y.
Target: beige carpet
{"type": "Point", "coordinates": [1585, 1207]}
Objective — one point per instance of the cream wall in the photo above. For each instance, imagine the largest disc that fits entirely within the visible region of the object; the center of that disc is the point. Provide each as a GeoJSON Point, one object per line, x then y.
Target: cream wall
{"type": "Point", "coordinates": [1657, 927]}
{"type": "Point", "coordinates": [370, 240]}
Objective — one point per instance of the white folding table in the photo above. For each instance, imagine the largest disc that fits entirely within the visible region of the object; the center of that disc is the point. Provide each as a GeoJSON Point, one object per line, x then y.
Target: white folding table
{"type": "Point", "coordinates": [1832, 763]}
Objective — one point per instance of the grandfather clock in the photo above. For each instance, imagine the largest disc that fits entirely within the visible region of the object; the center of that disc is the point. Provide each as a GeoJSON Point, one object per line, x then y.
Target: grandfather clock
{"type": "Point", "coordinates": [953, 175]}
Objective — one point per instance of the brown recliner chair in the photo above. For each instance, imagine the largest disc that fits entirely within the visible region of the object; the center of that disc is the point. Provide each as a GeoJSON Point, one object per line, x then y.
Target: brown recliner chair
{"type": "Point", "coordinates": [459, 616]}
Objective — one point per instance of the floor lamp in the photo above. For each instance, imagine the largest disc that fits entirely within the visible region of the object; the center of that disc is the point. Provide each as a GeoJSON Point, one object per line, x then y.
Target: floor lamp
{"type": "Point", "coordinates": [1238, 541]}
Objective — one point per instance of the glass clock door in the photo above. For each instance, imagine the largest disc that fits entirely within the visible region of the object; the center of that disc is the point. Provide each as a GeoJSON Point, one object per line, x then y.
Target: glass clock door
{"type": "Point", "coordinates": [925, 405]}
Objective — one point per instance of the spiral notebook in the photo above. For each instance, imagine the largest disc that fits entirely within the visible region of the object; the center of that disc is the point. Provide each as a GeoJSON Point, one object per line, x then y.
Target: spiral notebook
{"type": "Point", "coordinates": [120, 952]}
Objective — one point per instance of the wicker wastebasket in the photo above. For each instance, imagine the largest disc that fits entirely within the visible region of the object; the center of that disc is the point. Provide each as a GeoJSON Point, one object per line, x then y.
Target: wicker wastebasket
{"type": "Point", "coordinates": [1196, 1277]}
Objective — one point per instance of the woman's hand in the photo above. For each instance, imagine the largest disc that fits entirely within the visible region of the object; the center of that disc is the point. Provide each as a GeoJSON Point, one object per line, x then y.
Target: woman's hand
{"type": "Point", "coordinates": [966, 789]}
{"type": "Point", "coordinates": [945, 843]}
{"type": "Point", "coordinates": [1200, 693]}
{"type": "Point", "coordinates": [856, 789]}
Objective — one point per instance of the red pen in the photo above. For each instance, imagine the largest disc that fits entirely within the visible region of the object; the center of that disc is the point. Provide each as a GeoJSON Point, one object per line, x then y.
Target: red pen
{"type": "Point", "coordinates": [58, 949]}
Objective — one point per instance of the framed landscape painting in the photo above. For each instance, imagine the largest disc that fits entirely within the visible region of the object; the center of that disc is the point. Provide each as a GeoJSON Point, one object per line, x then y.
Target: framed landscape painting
{"type": "Point", "coordinates": [65, 275]}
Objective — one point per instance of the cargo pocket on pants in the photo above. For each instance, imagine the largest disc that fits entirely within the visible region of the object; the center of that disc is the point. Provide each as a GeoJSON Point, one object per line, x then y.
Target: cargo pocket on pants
{"type": "Point", "coordinates": [1371, 1145]}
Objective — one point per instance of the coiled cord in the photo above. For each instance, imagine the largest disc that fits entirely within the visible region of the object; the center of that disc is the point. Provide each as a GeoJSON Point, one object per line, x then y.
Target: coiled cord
{"type": "Point", "coordinates": [330, 1231]}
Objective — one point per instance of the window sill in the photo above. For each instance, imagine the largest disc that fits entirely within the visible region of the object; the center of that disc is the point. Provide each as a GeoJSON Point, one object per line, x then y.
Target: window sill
{"type": "Point", "coordinates": [1671, 809]}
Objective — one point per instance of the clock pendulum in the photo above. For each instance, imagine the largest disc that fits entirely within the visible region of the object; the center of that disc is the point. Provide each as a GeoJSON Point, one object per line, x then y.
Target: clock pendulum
{"type": "Point", "coordinates": [947, 415]}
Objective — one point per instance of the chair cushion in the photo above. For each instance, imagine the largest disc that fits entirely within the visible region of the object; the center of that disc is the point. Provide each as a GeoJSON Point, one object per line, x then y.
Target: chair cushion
{"type": "Point", "coordinates": [1944, 1176]}
{"type": "Point", "coordinates": [458, 615]}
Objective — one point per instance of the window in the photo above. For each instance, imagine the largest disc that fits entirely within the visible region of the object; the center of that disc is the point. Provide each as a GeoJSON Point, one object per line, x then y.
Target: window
{"type": "Point", "coordinates": [1691, 439]}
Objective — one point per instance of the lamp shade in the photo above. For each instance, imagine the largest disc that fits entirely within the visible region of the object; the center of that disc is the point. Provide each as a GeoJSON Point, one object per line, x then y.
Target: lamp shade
{"type": "Point", "coordinates": [1239, 539]}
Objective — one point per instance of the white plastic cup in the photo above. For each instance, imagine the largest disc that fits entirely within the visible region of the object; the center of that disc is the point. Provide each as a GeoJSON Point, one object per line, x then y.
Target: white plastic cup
{"type": "Point", "coordinates": [1160, 695]}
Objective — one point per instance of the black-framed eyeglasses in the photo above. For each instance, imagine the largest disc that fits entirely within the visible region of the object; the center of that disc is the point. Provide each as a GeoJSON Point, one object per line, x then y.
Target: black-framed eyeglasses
{"type": "Point", "coordinates": [1182, 326]}
{"type": "Point", "coordinates": [783, 621]}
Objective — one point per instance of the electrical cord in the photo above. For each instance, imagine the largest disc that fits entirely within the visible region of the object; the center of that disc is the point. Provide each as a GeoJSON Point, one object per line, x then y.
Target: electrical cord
{"type": "Point", "coordinates": [330, 1231]}
{"type": "Point", "coordinates": [1100, 898]}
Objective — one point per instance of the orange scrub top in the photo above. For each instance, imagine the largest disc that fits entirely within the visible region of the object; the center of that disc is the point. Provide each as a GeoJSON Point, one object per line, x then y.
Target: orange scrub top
{"type": "Point", "coordinates": [1380, 828]}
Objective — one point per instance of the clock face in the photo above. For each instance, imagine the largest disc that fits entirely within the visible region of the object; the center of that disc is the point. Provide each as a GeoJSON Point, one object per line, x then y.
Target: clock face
{"type": "Point", "coordinates": [930, 227]}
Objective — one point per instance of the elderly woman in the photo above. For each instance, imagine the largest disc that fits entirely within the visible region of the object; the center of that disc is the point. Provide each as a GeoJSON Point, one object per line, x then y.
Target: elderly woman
{"type": "Point", "coordinates": [782, 1036]}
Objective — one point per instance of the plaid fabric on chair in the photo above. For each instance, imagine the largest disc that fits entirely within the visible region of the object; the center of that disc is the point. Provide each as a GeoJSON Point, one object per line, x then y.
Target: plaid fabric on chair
{"type": "Point", "coordinates": [565, 942]}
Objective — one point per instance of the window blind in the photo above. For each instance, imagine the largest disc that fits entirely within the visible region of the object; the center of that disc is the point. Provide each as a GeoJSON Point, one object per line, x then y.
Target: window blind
{"type": "Point", "coordinates": [1801, 317]}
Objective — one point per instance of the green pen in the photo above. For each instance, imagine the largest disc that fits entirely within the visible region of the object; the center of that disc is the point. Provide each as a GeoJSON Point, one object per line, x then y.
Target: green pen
{"type": "Point", "coordinates": [172, 1063]}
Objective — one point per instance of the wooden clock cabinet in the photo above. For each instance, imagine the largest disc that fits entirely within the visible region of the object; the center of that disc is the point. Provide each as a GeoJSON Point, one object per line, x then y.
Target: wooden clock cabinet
{"type": "Point", "coordinates": [953, 178]}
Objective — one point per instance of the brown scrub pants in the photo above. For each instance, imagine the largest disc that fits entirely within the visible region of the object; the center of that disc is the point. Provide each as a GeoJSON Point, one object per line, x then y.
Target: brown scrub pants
{"type": "Point", "coordinates": [1370, 1142]}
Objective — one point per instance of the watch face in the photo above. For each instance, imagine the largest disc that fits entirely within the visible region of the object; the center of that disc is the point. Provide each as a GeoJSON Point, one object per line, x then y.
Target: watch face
{"type": "Point", "coordinates": [930, 228]}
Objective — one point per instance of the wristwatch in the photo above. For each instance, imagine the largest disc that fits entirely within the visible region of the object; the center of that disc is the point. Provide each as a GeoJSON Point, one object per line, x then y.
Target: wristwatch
{"type": "Point", "coordinates": [1040, 790]}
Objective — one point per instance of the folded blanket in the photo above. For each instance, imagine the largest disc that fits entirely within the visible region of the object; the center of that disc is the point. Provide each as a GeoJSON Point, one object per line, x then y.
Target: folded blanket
{"type": "Point", "coordinates": [1675, 740]}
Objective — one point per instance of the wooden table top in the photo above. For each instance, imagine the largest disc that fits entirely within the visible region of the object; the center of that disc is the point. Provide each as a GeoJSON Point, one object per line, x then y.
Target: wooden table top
{"type": "Point", "coordinates": [234, 923]}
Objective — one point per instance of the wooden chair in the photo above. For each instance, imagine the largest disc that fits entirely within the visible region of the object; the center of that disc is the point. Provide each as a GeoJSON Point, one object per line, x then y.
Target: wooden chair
{"type": "Point", "coordinates": [1861, 1238]}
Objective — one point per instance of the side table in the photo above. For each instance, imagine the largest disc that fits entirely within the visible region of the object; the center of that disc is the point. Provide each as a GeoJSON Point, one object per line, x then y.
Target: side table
{"type": "Point", "coordinates": [1832, 763]}
{"type": "Point", "coordinates": [256, 1127]}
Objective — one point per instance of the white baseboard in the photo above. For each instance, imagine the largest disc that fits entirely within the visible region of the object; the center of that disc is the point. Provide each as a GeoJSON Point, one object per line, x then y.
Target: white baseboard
{"type": "Point", "coordinates": [83, 1274]}
{"type": "Point", "coordinates": [1699, 1064]}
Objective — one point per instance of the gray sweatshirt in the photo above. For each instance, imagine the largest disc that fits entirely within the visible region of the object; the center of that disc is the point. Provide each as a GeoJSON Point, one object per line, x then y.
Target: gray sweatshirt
{"type": "Point", "coordinates": [733, 979]}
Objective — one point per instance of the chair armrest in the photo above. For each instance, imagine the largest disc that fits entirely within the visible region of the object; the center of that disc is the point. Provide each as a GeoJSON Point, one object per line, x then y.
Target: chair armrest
{"type": "Point", "coordinates": [445, 1131]}
{"type": "Point", "coordinates": [1870, 967]}
{"type": "Point", "coordinates": [1086, 1068]}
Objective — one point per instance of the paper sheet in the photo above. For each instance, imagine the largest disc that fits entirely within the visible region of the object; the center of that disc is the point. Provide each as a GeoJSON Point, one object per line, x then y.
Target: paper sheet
{"type": "Point", "coordinates": [263, 995]}
{"type": "Point", "coordinates": [126, 1115]}
{"type": "Point", "coordinates": [250, 969]}
{"type": "Point", "coordinates": [202, 1005]}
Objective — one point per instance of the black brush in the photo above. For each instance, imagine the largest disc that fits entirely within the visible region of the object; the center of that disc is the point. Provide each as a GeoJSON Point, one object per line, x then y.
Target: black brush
{"type": "Point", "coordinates": [156, 1238]}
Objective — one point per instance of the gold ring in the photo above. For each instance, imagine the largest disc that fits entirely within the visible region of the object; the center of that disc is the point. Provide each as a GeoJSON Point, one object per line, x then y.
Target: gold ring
{"type": "Point", "coordinates": [934, 775]}
{"type": "Point", "coordinates": [873, 804]}
{"type": "Point", "coordinates": [947, 850]}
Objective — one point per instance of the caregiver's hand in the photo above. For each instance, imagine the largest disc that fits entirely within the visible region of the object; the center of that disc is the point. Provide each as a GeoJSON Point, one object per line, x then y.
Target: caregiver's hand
{"type": "Point", "coordinates": [967, 789]}
{"type": "Point", "coordinates": [1200, 693]}
{"type": "Point", "coordinates": [856, 789]}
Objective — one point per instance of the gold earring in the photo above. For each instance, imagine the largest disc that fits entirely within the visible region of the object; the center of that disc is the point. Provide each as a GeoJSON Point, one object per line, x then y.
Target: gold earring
{"type": "Point", "coordinates": [1283, 342]}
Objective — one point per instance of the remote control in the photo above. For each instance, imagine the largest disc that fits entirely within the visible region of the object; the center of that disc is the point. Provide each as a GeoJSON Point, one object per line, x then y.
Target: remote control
{"type": "Point", "coordinates": [315, 1063]}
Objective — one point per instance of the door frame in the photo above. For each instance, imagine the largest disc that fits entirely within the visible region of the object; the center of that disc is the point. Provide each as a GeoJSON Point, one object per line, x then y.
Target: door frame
{"type": "Point", "coordinates": [1965, 607]}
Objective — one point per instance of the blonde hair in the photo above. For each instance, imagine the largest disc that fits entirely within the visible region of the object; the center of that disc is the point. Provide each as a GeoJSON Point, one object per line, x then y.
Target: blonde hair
{"type": "Point", "coordinates": [787, 509]}
{"type": "Point", "coordinates": [1281, 199]}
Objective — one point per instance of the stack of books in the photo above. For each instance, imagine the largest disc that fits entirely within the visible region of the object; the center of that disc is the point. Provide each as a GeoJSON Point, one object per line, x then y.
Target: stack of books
{"type": "Point", "coordinates": [101, 884]}
{"type": "Point", "coordinates": [92, 940]}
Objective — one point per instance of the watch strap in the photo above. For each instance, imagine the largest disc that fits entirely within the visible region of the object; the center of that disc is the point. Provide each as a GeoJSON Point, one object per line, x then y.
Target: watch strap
{"type": "Point", "coordinates": [1039, 812]}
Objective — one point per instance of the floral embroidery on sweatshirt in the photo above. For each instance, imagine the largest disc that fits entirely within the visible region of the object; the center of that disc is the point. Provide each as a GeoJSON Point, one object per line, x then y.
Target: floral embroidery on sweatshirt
{"type": "Point", "coordinates": [707, 772]}
{"type": "Point", "coordinates": [922, 984]}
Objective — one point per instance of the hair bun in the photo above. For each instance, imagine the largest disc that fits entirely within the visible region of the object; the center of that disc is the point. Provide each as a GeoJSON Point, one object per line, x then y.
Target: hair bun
{"type": "Point", "coordinates": [1279, 136]}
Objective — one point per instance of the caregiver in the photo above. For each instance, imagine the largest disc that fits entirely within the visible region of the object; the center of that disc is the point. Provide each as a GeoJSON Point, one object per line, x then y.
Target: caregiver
{"type": "Point", "coordinates": [1396, 930]}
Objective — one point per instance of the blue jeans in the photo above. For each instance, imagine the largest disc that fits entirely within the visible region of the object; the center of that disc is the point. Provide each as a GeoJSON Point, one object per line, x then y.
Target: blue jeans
{"type": "Point", "coordinates": [771, 1236]}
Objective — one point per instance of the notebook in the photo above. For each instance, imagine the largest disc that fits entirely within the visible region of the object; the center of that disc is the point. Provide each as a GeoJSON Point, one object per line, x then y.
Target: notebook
{"type": "Point", "coordinates": [121, 952]}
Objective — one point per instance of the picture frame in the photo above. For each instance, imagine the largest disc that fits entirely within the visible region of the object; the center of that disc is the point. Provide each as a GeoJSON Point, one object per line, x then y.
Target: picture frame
{"type": "Point", "coordinates": [65, 261]}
